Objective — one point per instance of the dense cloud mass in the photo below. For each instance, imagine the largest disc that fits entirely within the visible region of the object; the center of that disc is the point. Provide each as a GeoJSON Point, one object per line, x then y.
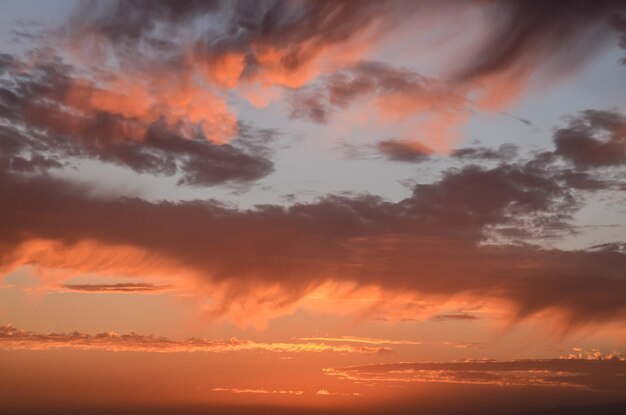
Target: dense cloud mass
{"type": "Point", "coordinates": [403, 151]}
{"type": "Point", "coordinates": [593, 139]}
{"type": "Point", "coordinates": [363, 239]}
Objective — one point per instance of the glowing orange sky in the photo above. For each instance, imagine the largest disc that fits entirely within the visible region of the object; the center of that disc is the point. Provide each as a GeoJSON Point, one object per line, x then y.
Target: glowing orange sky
{"type": "Point", "coordinates": [312, 206]}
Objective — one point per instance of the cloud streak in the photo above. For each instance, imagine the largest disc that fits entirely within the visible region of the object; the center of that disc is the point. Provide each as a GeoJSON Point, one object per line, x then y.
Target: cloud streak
{"type": "Point", "coordinates": [376, 341]}
{"type": "Point", "coordinates": [12, 338]}
{"type": "Point", "coordinates": [455, 316]}
{"type": "Point", "coordinates": [259, 391]}
{"type": "Point", "coordinates": [524, 40]}
{"type": "Point", "coordinates": [603, 374]}
{"type": "Point", "coordinates": [116, 288]}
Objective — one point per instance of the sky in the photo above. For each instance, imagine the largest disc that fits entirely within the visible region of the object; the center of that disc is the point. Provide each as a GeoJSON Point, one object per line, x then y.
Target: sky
{"type": "Point", "coordinates": [312, 206]}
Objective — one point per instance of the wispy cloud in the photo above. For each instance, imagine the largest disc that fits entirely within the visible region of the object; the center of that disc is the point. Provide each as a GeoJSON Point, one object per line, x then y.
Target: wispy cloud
{"type": "Point", "coordinates": [455, 316]}
{"type": "Point", "coordinates": [259, 391]}
{"type": "Point", "coordinates": [12, 338]}
{"type": "Point", "coordinates": [366, 340]}
{"type": "Point", "coordinates": [377, 341]}
{"type": "Point", "coordinates": [115, 288]}
{"type": "Point", "coordinates": [600, 372]}
{"type": "Point", "coordinates": [264, 391]}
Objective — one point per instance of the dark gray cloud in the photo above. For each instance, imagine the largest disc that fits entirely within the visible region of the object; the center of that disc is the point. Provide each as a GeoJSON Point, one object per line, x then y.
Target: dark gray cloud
{"type": "Point", "coordinates": [455, 316]}
{"type": "Point", "coordinates": [586, 181]}
{"type": "Point", "coordinates": [559, 34]}
{"type": "Point", "coordinates": [593, 139]}
{"type": "Point", "coordinates": [610, 246]}
{"type": "Point", "coordinates": [429, 242]}
{"type": "Point", "coordinates": [502, 153]}
{"type": "Point", "coordinates": [619, 23]}
{"type": "Point", "coordinates": [404, 151]}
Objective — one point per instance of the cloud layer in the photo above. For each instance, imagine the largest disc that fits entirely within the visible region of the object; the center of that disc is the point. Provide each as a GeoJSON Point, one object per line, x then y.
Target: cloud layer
{"type": "Point", "coordinates": [115, 288]}
{"type": "Point", "coordinates": [603, 374]}
{"type": "Point", "coordinates": [12, 338]}
{"type": "Point", "coordinates": [272, 256]}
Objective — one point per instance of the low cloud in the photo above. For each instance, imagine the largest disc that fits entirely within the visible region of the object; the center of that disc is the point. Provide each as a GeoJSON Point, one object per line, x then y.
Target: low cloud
{"type": "Point", "coordinates": [430, 244]}
{"type": "Point", "coordinates": [602, 374]}
{"type": "Point", "coordinates": [259, 391]}
{"type": "Point", "coordinates": [377, 341]}
{"type": "Point", "coordinates": [12, 338]}
{"type": "Point", "coordinates": [116, 288]}
{"type": "Point", "coordinates": [455, 316]}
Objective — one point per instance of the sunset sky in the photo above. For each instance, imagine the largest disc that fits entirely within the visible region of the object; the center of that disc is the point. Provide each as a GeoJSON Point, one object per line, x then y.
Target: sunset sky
{"type": "Point", "coordinates": [312, 206]}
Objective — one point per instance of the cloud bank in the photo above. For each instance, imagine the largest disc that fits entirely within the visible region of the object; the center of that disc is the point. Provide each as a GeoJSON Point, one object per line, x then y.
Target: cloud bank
{"type": "Point", "coordinates": [12, 338]}
{"type": "Point", "coordinates": [278, 254]}
{"type": "Point", "coordinates": [601, 374]}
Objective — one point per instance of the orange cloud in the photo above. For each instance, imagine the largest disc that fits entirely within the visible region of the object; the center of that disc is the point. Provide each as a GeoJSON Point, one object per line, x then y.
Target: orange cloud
{"type": "Point", "coordinates": [257, 391]}
{"type": "Point", "coordinates": [59, 261]}
{"type": "Point", "coordinates": [184, 73]}
{"type": "Point", "coordinates": [289, 50]}
{"type": "Point", "coordinates": [375, 341]}
{"type": "Point", "coordinates": [12, 338]}
{"type": "Point", "coordinates": [163, 127]}
{"type": "Point", "coordinates": [183, 103]}
{"type": "Point", "coordinates": [225, 69]}
{"type": "Point", "coordinates": [115, 288]}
